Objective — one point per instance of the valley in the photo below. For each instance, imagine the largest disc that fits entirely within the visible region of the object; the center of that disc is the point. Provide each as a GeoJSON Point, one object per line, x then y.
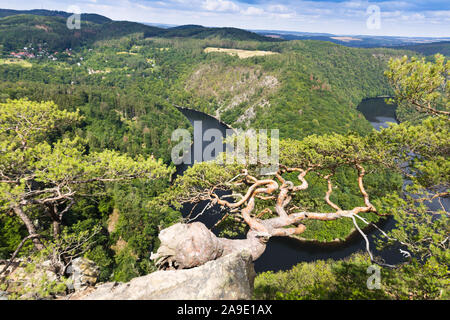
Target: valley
{"type": "Point", "coordinates": [87, 122]}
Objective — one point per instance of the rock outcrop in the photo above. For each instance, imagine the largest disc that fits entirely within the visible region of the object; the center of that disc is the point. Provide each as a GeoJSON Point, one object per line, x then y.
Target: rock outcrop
{"type": "Point", "coordinates": [37, 280]}
{"type": "Point", "coordinates": [185, 246]}
{"type": "Point", "coordinates": [228, 278]}
{"type": "Point", "coordinates": [83, 273]}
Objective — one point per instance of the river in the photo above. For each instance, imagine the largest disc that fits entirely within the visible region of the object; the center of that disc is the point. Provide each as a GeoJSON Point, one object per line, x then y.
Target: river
{"type": "Point", "coordinates": [283, 253]}
{"type": "Point", "coordinates": [377, 112]}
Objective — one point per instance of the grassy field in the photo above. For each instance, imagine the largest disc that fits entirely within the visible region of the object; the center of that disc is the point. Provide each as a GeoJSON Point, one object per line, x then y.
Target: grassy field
{"type": "Point", "coordinates": [240, 53]}
{"type": "Point", "coordinates": [130, 53]}
{"type": "Point", "coordinates": [20, 62]}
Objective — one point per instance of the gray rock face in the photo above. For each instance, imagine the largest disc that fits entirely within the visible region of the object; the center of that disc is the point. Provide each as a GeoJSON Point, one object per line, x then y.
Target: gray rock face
{"type": "Point", "coordinates": [83, 273]}
{"type": "Point", "coordinates": [228, 278]}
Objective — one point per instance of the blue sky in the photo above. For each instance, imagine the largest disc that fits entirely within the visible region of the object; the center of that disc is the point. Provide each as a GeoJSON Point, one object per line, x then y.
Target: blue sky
{"type": "Point", "coordinates": [396, 17]}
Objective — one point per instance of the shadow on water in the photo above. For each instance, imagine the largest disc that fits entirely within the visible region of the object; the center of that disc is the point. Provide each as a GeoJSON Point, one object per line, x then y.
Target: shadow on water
{"type": "Point", "coordinates": [378, 112]}
{"type": "Point", "coordinates": [283, 253]}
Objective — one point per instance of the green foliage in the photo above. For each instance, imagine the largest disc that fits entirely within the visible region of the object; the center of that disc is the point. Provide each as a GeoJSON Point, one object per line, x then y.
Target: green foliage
{"type": "Point", "coordinates": [95, 18]}
{"type": "Point", "coordinates": [28, 123]}
{"type": "Point", "coordinates": [124, 85]}
{"type": "Point", "coordinates": [11, 234]}
{"type": "Point", "coordinates": [126, 266]}
{"type": "Point", "coordinates": [39, 174]}
{"type": "Point", "coordinates": [196, 180]}
{"type": "Point", "coordinates": [138, 226]}
{"type": "Point", "coordinates": [327, 154]}
{"type": "Point", "coordinates": [425, 147]}
{"type": "Point", "coordinates": [423, 233]}
{"type": "Point", "coordinates": [199, 32]}
{"type": "Point", "coordinates": [347, 280]}
{"type": "Point", "coordinates": [34, 280]}
{"type": "Point", "coordinates": [19, 30]}
{"type": "Point", "coordinates": [42, 288]}
{"type": "Point", "coordinates": [420, 85]}
{"type": "Point", "coordinates": [319, 280]}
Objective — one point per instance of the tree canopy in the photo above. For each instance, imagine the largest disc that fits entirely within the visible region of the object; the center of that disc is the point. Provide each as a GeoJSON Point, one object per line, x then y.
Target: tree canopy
{"type": "Point", "coordinates": [42, 178]}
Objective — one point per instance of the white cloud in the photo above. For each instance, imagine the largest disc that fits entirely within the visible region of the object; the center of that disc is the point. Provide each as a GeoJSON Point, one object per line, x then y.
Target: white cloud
{"type": "Point", "coordinates": [253, 11]}
{"type": "Point", "coordinates": [278, 8]}
{"type": "Point", "coordinates": [353, 4]}
{"type": "Point", "coordinates": [220, 6]}
{"type": "Point", "coordinates": [443, 13]}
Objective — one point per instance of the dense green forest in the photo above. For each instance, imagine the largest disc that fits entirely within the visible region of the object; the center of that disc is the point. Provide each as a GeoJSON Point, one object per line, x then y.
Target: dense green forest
{"type": "Point", "coordinates": [109, 91]}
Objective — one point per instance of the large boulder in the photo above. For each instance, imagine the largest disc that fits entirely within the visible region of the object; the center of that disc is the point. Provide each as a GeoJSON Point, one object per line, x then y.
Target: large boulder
{"type": "Point", "coordinates": [186, 246]}
{"type": "Point", "coordinates": [228, 278]}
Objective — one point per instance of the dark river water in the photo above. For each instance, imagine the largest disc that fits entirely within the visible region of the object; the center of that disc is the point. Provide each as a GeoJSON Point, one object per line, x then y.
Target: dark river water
{"type": "Point", "coordinates": [378, 112]}
{"type": "Point", "coordinates": [283, 253]}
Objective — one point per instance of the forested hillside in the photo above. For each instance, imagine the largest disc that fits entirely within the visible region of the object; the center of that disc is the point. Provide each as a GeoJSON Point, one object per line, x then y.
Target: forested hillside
{"type": "Point", "coordinates": [19, 29]}
{"type": "Point", "coordinates": [51, 32]}
{"type": "Point", "coordinates": [200, 32]}
{"type": "Point", "coordinates": [91, 17]}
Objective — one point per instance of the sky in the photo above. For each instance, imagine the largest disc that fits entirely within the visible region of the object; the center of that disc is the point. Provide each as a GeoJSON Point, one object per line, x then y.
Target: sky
{"type": "Point", "coordinates": [411, 18]}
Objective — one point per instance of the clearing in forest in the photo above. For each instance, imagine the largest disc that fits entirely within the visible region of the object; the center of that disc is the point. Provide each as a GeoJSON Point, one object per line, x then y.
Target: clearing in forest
{"type": "Point", "coordinates": [21, 63]}
{"type": "Point", "coordinates": [240, 53]}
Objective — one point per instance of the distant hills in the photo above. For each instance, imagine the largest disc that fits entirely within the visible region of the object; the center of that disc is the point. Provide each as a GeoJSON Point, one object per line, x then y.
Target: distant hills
{"type": "Point", "coordinates": [200, 32]}
{"type": "Point", "coordinates": [51, 32]}
{"type": "Point", "coordinates": [428, 49]}
{"type": "Point", "coordinates": [359, 41]}
{"type": "Point", "coordinates": [18, 28]}
{"type": "Point", "coordinates": [91, 17]}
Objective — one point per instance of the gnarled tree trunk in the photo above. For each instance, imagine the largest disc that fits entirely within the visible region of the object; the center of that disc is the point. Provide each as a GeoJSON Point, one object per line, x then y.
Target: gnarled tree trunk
{"type": "Point", "coordinates": [191, 245]}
